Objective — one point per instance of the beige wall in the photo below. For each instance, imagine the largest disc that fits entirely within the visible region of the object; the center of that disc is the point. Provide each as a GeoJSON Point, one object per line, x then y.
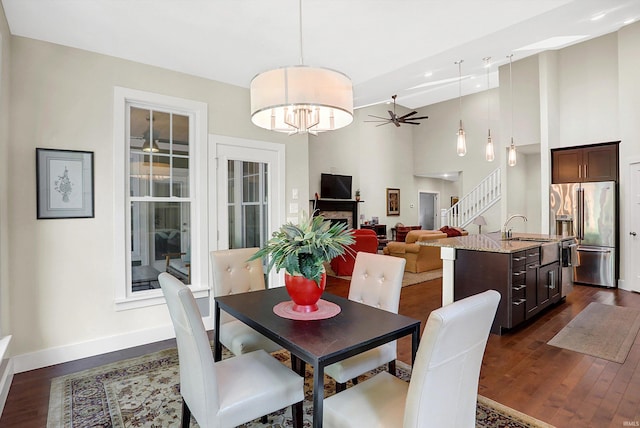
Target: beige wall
{"type": "Point", "coordinates": [61, 272]}
{"type": "Point", "coordinates": [584, 94]}
{"type": "Point", "coordinates": [5, 93]}
{"type": "Point", "coordinates": [56, 277]}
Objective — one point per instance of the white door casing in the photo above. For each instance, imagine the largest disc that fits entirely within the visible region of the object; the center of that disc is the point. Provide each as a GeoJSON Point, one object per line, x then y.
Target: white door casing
{"type": "Point", "coordinates": [221, 150]}
{"type": "Point", "coordinates": [631, 234]}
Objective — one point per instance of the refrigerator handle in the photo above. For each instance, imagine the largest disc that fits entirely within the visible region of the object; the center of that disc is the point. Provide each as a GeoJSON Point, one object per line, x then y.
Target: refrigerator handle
{"type": "Point", "coordinates": [579, 214]}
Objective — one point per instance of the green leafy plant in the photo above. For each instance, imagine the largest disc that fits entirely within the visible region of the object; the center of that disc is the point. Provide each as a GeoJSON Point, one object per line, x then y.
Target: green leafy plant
{"type": "Point", "coordinates": [301, 249]}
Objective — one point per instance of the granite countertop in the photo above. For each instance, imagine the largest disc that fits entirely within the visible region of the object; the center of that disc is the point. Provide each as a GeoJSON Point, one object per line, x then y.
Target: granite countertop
{"type": "Point", "coordinates": [493, 242]}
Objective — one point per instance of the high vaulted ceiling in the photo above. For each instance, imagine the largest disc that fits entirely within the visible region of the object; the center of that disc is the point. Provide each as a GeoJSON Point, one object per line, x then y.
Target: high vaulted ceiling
{"type": "Point", "coordinates": [404, 47]}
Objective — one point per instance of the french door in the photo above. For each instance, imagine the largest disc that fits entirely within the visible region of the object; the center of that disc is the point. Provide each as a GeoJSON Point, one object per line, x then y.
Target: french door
{"type": "Point", "coordinates": [249, 193]}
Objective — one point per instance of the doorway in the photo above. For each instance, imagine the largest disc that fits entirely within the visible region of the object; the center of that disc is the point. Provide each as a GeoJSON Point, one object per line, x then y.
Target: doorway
{"type": "Point", "coordinates": [428, 210]}
{"type": "Point", "coordinates": [248, 194]}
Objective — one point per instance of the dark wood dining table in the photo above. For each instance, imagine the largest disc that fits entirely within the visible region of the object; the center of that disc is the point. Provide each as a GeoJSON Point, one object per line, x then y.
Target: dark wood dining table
{"type": "Point", "coordinates": [357, 328]}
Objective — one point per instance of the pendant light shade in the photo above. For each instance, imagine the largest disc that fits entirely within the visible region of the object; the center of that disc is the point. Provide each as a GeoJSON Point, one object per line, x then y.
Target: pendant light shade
{"type": "Point", "coordinates": [301, 99]}
{"type": "Point", "coordinates": [489, 152]}
{"type": "Point", "coordinates": [512, 159]}
{"type": "Point", "coordinates": [461, 144]}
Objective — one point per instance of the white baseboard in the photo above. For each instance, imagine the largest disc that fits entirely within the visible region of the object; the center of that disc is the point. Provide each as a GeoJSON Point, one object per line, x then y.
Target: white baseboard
{"type": "Point", "coordinates": [63, 354]}
{"type": "Point", "coordinates": [6, 371]}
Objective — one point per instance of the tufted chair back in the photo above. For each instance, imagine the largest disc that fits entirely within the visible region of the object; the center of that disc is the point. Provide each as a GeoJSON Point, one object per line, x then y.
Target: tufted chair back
{"type": "Point", "coordinates": [377, 280]}
{"type": "Point", "coordinates": [233, 274]}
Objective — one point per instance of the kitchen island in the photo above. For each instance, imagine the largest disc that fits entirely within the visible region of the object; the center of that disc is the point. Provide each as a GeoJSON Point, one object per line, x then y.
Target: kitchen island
{"type": "Point", "coordinates": [525, 269]}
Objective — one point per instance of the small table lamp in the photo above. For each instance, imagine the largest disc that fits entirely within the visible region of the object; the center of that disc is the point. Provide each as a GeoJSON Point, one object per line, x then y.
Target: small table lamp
{"type": "Point", "coordinates": [480, 221]}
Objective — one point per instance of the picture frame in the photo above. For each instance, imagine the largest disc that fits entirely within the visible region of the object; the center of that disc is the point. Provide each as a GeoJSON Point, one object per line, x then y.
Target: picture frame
{"type": "Point", "coordinates": [393, 201]}
{"type": "Point", "coordinates": [454, 200]}
{"type": "Point", "coordinates": [64, 184]}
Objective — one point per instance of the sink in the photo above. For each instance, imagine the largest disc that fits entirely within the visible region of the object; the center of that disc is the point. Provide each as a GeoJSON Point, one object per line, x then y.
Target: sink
{"type": "Point", "coordinates": [525, 238]}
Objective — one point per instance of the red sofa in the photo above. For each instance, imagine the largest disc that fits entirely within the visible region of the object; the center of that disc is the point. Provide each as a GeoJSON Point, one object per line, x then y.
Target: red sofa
{"type": "Point", "coordinates": [366, 240]}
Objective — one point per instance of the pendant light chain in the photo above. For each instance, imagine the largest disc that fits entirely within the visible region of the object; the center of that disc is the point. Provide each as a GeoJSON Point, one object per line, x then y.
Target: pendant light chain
{"type": "Point", "coordinates": [461, 144]}
{"type": "Point", "coordinates": [489, 150]}
{"type": "Point", "coordinates": [300, 28]}
{"type": "Point", "coordinates": [511, 158]}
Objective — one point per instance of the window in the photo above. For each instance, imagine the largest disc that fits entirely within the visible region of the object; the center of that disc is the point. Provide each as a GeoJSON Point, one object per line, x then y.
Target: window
{"type": "Point", "coordinates": [160, 175]}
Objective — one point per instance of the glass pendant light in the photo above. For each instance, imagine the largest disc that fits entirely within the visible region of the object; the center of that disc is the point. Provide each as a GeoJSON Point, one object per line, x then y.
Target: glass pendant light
{"type": "Point", "coordinates": [489, 153]}
{"type": "Point", "coordinates": [511, 159]}
{"type": "Point", "coordinates": [461, 145]}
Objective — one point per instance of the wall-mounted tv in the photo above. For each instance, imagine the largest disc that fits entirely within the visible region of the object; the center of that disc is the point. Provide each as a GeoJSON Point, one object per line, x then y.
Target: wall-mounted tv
{"type": "Point", "coordinates": [333, 186]}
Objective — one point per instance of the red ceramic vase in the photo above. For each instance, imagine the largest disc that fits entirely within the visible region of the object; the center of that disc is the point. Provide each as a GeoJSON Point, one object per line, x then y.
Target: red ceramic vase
{"type": "Point", "coordinates": [304, 292]}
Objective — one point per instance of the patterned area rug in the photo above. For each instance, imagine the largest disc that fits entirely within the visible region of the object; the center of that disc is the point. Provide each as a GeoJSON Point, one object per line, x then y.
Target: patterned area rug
{"type": "Point", "coordinates": [144, 392]}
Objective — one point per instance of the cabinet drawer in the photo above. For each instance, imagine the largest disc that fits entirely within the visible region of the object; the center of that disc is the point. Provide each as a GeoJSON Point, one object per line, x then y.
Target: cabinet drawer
{"type": "Point", "coordinates": [518, 311]}
{"type": "Point", "coordinates": [518, 276]}
{"type": "Point", "coordinates": [518, 260]}
{"type": "Point", "coordinates": [533, 255]}
{"type": "Point", "coordinates": [518, 291]}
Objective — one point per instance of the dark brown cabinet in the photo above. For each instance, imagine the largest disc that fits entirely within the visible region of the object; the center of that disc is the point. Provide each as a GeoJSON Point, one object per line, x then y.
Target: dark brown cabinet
{"type": "Point", "coordinates": [585, 164]}
{"type": "Point", "coordinates": [526, 287]}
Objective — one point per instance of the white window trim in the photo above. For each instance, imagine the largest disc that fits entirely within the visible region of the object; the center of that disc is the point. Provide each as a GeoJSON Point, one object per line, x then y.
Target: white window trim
{"type": "Point", "coordinates": [124, 297]}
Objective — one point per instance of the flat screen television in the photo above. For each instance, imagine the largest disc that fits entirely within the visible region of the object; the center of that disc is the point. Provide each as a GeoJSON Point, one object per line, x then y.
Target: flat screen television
{"type": "Point", "coordinates": [333, 186]}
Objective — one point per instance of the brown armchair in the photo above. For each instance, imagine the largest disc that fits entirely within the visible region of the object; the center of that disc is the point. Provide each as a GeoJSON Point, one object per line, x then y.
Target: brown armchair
{"type": "Point", "coordinates": [420, 258]}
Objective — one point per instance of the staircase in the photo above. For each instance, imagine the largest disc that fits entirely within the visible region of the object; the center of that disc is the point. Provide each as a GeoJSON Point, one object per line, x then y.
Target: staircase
{"type": "Point", "coordinates": [474, 203]}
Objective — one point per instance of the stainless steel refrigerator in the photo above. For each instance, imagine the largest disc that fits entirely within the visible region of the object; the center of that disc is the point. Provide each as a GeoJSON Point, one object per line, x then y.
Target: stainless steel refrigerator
{"type": "Point", "coordinates": [588, 212]}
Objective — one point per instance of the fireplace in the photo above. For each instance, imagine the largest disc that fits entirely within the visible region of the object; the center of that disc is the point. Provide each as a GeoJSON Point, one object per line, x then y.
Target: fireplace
{"type": "Point", "coordinates": [337, 210]}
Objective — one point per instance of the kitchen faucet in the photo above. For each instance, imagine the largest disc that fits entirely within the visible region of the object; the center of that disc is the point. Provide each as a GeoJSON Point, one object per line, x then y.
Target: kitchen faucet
{"type": "Point", "coordinates": [506, 234]}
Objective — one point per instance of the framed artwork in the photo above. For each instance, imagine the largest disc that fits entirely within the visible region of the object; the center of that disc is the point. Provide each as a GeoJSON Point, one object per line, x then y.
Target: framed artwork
{"type": "Point", "coordinates": [393, 201]}
{"type": "Point", "coordinates": [64, 180]}
{"type": "Point", "coordinates": [454, 200]}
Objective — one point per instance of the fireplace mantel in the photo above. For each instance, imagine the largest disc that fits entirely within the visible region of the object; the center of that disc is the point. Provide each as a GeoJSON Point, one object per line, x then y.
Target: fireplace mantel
{"type": "Point", "coordinates": [349, 205]}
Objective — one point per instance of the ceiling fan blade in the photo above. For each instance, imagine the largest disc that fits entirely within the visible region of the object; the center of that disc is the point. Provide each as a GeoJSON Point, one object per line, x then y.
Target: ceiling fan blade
{"type": "Point", "coordinates": [388, 122]}
{"type": "Point", "coordinates": [412, 123]}
{"type": "Point", "coordinates": [385, 120]}
{"type": "Point", "coordinates": [407, 115]}
{"type": "Point", "coordinates": [396, 123]}
{"type": "Point", "coordinates": [421, 117]}
{"type": "Point", "coordinates": [392, 114]}
{"type": "Point", "coordinates": [378, 117]}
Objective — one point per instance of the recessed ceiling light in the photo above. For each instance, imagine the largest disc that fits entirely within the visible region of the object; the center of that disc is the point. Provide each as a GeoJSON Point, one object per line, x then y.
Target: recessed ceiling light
{"type": "Point", "coordinates": [598, 16]}
{"type": "Point", "coordinates": [551, 43]}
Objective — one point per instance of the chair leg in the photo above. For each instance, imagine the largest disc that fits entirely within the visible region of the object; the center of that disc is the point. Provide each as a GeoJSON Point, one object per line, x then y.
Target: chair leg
{"type": "Point", "coordinates": [340, 386]}
{"type": "Point", "coordinates": [296, 414]}
{"type": "Point", "coordinates": [186, 415]}
{"type": "Point", "coordinates": [392, 367]}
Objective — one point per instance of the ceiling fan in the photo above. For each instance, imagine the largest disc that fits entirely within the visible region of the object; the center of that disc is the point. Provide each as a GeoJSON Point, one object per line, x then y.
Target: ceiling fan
{"type": "Point", "coordinates": [395, 119]}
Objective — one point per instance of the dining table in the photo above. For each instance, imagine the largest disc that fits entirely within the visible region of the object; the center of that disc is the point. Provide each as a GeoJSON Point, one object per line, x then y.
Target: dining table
{"type": "Point", "coordinates": [356, 328]}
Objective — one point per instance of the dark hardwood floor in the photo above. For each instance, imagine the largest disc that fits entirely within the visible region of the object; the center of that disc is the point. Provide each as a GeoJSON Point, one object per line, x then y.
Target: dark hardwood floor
{"type": "Point", "coordinates": [520, 370]}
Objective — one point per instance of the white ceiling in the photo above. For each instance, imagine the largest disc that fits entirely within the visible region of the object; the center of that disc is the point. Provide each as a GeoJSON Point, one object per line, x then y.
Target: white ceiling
{"type": "Point", "coordinates": [385, 46]}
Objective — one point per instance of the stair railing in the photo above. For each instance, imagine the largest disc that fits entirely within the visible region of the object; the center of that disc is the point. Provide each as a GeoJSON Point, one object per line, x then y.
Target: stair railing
{"type": "Point", "coordinates": [478, 200]}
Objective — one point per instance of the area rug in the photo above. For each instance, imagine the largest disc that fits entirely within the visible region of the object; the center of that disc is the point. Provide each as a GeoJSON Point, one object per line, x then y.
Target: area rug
{"type": "Point", "coordinates": [603, 331]}
{"type": "Point", "coordinates": [144, 392]}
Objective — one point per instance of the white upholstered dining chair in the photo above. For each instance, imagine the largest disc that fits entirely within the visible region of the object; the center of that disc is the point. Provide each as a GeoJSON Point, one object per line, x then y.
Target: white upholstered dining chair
{"type": "Point", "coordinates": [233, 274]}
{"type": "Point", "coordinates": [376, 281]}
{"type": "Point", "coordinates": [230, 392]}
{"type": "Point", "coordinates": [444, 384]}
